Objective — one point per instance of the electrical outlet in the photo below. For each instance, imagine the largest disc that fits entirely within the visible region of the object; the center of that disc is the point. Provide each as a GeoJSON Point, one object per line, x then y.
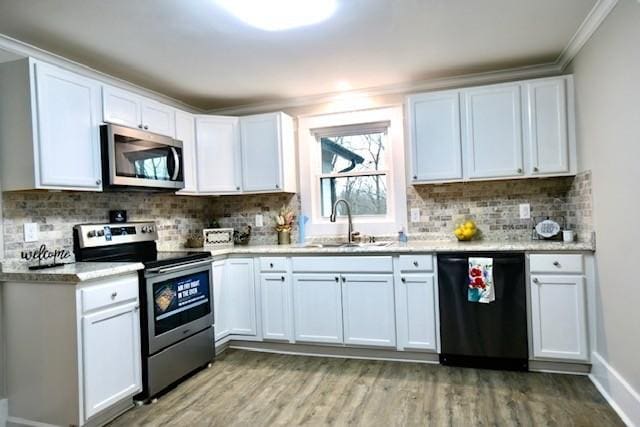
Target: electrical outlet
{"type": "Point", "coordinates": [415, 214]}
{"type": "Point", "coordinates": [31, 232]}
{"type": "Point", "coordinates": [525, 211]}
{"type": "Point", "coordinates": [259, 220]}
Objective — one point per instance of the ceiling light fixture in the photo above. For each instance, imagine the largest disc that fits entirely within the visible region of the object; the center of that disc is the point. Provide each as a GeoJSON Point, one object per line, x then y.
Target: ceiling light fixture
{"type": "Point", "coordinates": [277, 15]}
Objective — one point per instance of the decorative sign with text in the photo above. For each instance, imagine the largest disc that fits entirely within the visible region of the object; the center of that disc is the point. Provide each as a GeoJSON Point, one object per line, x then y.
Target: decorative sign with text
{"type": "Point", "coordinates": [50, 257]}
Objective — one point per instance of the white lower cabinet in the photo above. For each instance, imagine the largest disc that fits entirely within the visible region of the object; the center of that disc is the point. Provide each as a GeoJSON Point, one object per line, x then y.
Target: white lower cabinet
{"type": "Point", "coordinates": [368, 310]}
{"type": "Point", "coordinates": [219, 309]}
{"type": "Point", "coordinates": [111, 346]}
{"type": "Point", "coordinates": [317, 302]}
{"type": "Point", "coordinates": [239, 297]}
{"type": "Point", "coordinates": [417, 315]}
{"type": "Point", "coordinates": [275, 306]}
{"type": "Point", "coordinates": [559, 317]}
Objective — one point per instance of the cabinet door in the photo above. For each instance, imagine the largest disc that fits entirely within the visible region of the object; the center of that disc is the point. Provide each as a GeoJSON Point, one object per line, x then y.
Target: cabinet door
{"type": "Point", "coordinates": [186, 132]}
{"type": "Point", "coordinates": [317, 302]}
{"type": "Point", "coordinates": [493, 131]}
{"type": "Point", "coordinates": [416, 310]}
{"type": "Point", "coordinates": [220, 308]}
{"type": "Point", "coordinates": [218, 159]}
{"type": "Point", "coordinates": [121, 107]}
{"type": "Point", "coordinates": [369, 310]}
{"type": "Point", "coordinates": [239, 297]}
{"type": "Point", "coordinates": [558, 317]}
{"type": "Point", "coordinates": [261, 152]}
{"type": "Point", "coordinates": [546, 127]}
{"type": "Point", "coordinates": [110, 357]}
{"type": "Point", "coordinates": [274, 292]}
{"type": "Point", "coordinates": [435, 136]}
{"type": "Point", "coordinates": [68, 135]}
{"type": "Point", "coordinates": [158, 118]}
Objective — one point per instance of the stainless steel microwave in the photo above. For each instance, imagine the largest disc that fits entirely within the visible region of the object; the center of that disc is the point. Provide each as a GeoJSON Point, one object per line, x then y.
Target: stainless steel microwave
{"type": "Point", "coordinates": [136, 159]}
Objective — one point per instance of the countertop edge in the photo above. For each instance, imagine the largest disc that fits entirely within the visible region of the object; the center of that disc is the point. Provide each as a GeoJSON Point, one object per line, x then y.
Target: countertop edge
{"type": "Point", "coordinates": [74, 273]}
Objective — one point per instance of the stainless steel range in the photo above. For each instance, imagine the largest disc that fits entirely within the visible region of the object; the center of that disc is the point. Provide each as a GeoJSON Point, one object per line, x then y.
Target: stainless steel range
{"type": "Point", "coordinates": [175, 293]}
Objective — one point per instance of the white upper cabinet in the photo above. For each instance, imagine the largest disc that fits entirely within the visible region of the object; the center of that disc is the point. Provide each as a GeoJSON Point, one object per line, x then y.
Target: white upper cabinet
{"type": "Point", "coordinates": [547, 131]}
{"type": "Point", "coordinates": [493, 131]}
{"type": "Point", "coordinates": [268, 153]}
{"type": "Point", "coordinates": [218, 158]}
{"type": "Point", "coordinates": [186, 132]}
{"type": "Point", "coordinates": [434, 121]}
{"type": "Point", "coordinates": [128, 109]}
{"type": "Point", "coordinates": [49, 128]}
{"type": "Point", "coordinates": [505, 131]}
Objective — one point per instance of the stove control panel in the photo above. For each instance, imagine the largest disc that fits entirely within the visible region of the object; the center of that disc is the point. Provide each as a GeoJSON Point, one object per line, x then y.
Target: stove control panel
{"type": "Point", "coordinates": [92, 235]}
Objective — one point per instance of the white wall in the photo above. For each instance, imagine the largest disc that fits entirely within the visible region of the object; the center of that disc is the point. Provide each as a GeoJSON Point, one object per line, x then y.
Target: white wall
{"type": "Point", "coordinates": [607, 78]}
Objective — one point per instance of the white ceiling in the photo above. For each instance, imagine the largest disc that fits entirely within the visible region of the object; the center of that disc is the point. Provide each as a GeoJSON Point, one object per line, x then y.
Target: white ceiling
{"type": "Point", "coordinates": [195, 52]}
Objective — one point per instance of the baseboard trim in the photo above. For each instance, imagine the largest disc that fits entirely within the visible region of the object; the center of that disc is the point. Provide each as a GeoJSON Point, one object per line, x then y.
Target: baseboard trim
{"type": "Point", "coordinates": [4, 412]}
{"type": "Point", "coordinates": [616, 390]}
{"type": "Point", "coordinates": [335, 351]}
{"type": "Point", "coordinates": [559, 367]}
{"type": "Point", "coordinates": [16, 421]}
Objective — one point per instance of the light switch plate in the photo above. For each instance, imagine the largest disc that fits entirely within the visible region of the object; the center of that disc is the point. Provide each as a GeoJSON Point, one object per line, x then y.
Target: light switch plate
{"type": "Point", "coordinates": [415, 214]}
{"type": "Point", "coordinates": [31, 232]}
{"type": "Point", "coordinates": [525, 211]}
{"type": "Point", "coordinates": [259, 220]}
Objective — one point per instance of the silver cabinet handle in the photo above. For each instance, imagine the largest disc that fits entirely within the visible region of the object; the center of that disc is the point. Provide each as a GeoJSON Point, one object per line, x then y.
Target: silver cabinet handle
{"type": "Point", "coordinates": [337, 279]}
{"type": "Point", "coordinates": [277, 186]}
{"type": "Point", "coordinates": [344, 279]}
{"type": "Point", "coordinates": [140, 125]}
{"type": "Point", "coordinates": [98, 181]}
{"type": "Point", "coordinates": [403, 280]}
{"type": "Point", "coordinates": [519, 170]}
{"type": "Point", "coordinates": [556, 263]}
{"type": "Point", "coordinates": [415, 176]}
{"type": "Point", "coordinates": [270, 265]}
{"type": "Point", "coordinates": [415, 263]}
{"type": "Point", "coordinates": [535, 280]}
{"type": "Point", "coordinates": [146, 127]}
{"type": "Point", "coordinates": [536, 169]}
{"type": "Point", "coordinates": [282, 278]}
{"type": "Point", "coordinates": [114, 295]}
{"type": "Point", "coordinates": [238, 188]}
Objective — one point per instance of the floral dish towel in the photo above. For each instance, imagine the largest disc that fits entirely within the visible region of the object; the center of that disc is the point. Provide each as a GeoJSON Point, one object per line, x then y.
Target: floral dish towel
{"type": "Point", "coordinates": [481, 280]}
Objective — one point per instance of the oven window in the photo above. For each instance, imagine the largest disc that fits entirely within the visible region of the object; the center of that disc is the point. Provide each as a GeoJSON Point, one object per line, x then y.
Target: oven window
{"type": "Point", "coordinates": [136, 158]}
{"type": "Point", "coordinates": [180, 300]}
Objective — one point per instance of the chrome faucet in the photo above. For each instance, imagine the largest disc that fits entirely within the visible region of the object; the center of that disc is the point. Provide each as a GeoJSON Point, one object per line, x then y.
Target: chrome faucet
{"type": "Point", "coordinates": [332, 218]}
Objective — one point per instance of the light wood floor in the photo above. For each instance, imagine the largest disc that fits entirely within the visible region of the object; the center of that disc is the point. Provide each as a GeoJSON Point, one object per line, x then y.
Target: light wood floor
{"type": "Point", "coordinates": [259, 389]}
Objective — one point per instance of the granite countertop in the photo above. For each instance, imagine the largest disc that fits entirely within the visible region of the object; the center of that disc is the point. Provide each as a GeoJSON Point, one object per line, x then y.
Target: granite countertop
{"type": "Point", "coordinates": [395, 247]}
{"type": "Point", "coordinates": [69, 273]}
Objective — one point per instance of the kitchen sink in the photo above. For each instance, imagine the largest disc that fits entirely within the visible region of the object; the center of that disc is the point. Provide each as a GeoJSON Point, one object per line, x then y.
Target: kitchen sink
{"type": "Point", "coordinates": [347, 245]}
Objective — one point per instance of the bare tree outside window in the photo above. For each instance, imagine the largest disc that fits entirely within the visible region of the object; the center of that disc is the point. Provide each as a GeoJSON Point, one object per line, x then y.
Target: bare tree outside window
{"type": "Point", "coordinates": [354, 168]}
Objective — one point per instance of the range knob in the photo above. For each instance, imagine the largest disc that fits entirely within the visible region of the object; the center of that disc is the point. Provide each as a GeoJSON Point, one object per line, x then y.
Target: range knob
{"type": "Point", "coordinates": [91, 233]}
{"type": "Point", "coordinates": [147, 229]}
{"type": "Point", "coordinates": [100, 233]}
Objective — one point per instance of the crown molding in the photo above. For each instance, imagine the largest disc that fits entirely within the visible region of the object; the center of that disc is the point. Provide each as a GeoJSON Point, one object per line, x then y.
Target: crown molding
{"type": "Point", "coordinates": [589, 26]}
{"type": "Point", "coordinates": [24, 49]}
{"type": "Point", "coordinates": [519, 73]}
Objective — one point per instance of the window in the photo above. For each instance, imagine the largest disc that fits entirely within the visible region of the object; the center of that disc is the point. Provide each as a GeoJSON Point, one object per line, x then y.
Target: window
{"type": "Point", "coordinates": [359, 157]}
{"type": "Point", "coordinates": [354, 169]}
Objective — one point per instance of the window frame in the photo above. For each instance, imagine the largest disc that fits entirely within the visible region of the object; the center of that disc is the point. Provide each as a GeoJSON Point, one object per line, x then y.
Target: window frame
{"type": "Point", "coordinates": [311, 172]}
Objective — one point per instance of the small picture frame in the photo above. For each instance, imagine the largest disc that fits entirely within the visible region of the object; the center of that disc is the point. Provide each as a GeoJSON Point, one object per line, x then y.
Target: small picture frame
{"type": "Point", "coordinates": [218, 237]}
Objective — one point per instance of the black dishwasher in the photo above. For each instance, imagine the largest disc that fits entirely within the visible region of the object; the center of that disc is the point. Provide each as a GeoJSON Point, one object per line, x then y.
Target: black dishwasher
{"type": "Point", "coordinates": [485, 335]}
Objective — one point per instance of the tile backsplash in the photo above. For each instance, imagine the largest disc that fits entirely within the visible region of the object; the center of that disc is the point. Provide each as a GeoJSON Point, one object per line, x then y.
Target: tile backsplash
{"type": "Point", "coordinates": [492, 204]}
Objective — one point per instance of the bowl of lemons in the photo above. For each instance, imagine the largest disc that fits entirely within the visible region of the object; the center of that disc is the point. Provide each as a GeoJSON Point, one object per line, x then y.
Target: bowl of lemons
{"type": "Point", "coordinates": [466, 231]}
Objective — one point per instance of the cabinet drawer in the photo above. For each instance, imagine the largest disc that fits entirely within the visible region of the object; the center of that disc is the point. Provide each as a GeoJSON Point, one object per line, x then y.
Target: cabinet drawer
{"type": "Point", "coordinates": [113, 291]}
{"type": "Point", "coordinates": [343, 264]}
{"type": "Point", "coordinates": [416, 262]}
{"type": "Point", "coordinates": [273, 264]}
{"type": "Point", "coordinates": [556, 263]}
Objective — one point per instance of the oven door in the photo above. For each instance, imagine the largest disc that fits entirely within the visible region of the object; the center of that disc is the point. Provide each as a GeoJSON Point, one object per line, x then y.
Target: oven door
{"type": "Point", "coordinates": [179, 303]}
{"type": "Point", "coordinates": [137, 158]}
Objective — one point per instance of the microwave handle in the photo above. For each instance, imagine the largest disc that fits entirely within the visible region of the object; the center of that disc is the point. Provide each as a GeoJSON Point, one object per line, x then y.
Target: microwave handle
{"type": "Point", "coordinates": [176, 162]}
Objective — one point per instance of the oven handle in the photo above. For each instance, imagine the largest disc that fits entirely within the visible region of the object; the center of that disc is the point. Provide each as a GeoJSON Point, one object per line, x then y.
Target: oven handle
{"type": "Point", "coordinates": [176, 162]}
{"type": "Point", "coordinates": [183, 266]}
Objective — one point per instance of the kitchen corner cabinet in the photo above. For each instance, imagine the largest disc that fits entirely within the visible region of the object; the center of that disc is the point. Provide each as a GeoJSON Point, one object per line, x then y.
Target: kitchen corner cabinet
{"type": "Point", "coordinates": [128, 109]}
{"type": "Point", "coordinates": [186, 132]}
{"type": "Point", "coordinates": [219, 310]}
{"type": "Point", "coordinates": [218, 160]}
{"type": "Point", "coordinates": [515, 130]}
{"type": "Point", "coordinates": [558, 307]}
{"type": "Point", "coordinates": [268, 153]}
{"type": "Point", "coordinates": [49, 134]}
{"type": "Point", "coordinates": [84, 331]}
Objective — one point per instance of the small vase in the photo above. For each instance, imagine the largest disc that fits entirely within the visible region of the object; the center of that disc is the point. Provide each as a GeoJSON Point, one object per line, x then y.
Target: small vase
{"type": "Point", "coordinates": [284, 237]}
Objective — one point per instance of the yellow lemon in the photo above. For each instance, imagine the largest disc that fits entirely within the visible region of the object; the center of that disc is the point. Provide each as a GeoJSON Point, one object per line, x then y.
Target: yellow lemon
{"type": "Point", "coordinates": [468, 233]}
{"type": "Point", "coordinates": [459, 233]}
{"type": "Point", "coordinates": [470, 224]}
